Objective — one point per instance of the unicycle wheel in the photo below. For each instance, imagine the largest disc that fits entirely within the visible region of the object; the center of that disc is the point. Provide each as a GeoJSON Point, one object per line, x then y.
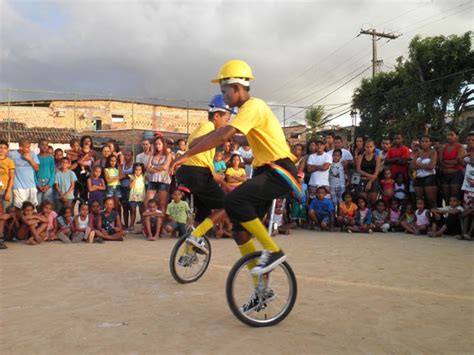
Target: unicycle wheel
{"type": "Point", "coordinates": [188, 263]}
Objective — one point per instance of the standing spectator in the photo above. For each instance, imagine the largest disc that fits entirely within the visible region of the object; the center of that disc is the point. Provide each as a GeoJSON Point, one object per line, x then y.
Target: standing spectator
{"type": "Point", "coordinates": [358, 147]}
{"type": "Point", "coordinates": [318, 165]}
{"type": "Point", "coordinates": [7, 175]}
{"type": "Point", "coordinates": [386, 145]}
{"type": "Point", "coordinates": [45, 176]}
{"type": "Point", "coordinates": [337, 177]}
{"type": "Point", "coordinates": [368, 166]}
{"type": "Point", "coordinates": [181, 143]}
{"type": "Point", "coordinates": [346, 157]}
{"type": "Point", "coordinates": [170, 146]}
{"type": "Point", "coordinates": [58, 157]}
{"type": "Point", "coordinates": [83, 170]}
{"type": "Point", "coordinates": [247, 155]}
{"type": "Point", "coordinates": [102, 162]}
{"type": "Point", "coordinates": [424, 163]}
{"type": "Point", "coordinates": [227, 154]}
{"type": "Point", "coordinates": [298, 152]}
{"type": "Point", "coordinates": [398, 157]}
{"type": "Point", "coordinates": [452, 166]}
{"type": "Point", "coordinates": [26, 164]}
{"type": "Point", "coordinates": [219, 165]}
{"type": "Point", "coordinates": [96, 186]}
{"type": "Point", "coordinates": [115, 150]}
{"type": "Point", "coordinates": [112, 178]}
{"type": "Point", "coordinates": [329, 140]}
{"type": "Point", "coordinates": [303, 166]}
{"type": "Point", "coordinates": [137, 192]}
{"type": "Point", "coordinates": [159, 180]}
{"type": "Point", "coordinates": [388, 186]}
{"type": "Point", "coordinates": [144, 156]}
{"type": "Point", "coordinates": [65, 181]}
{"type": "Point", "coordinates": [126, 171]}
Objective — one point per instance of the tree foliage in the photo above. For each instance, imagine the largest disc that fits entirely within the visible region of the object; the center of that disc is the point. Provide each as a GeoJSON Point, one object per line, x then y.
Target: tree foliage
{"type": "Point", "coordinates": [432, 86]}
{"type": "Point", "coordinates": [316, 120]}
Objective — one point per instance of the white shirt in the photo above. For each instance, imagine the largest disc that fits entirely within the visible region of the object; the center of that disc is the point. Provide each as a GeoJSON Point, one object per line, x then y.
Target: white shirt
{"type": "Point", "coordinates": [468, 177]}
{"type": "Point", "coordinates": [319, 178]}
{"type": "Point", "coordinates": [143, 158]}
{"type": "Point", "coordinates": [346, 155]}
{"type": "Point", "coordinates": [337, 175]}
{"type": "Point", "coordinates": [247, 154]}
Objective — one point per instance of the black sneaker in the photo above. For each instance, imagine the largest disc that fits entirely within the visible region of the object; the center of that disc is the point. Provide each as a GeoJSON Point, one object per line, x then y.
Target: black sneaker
{"type": "Point", "coordinates": [257, 303]}
{"type": "Point", "coordinates": [99, 240]}
{"type": "Point", "coordinates": [268, 261]}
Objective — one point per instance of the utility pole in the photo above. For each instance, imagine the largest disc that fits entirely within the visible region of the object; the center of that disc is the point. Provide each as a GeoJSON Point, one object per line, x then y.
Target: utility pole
{"type": "Point", "coordinates": [375, 37]}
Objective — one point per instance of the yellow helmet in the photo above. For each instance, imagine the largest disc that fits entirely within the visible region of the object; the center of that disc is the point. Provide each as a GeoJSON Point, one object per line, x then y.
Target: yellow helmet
{"type": "Point", "coordinates": [234, 68]}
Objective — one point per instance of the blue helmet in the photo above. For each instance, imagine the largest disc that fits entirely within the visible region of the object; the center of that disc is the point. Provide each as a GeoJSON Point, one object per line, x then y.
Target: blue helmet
{"type": "Point", "coordinates": [218, 104]}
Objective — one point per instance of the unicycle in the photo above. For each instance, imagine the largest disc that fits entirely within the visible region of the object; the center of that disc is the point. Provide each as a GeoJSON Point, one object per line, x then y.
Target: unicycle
{"type": "Point", "coordinates": [260, 301]}
{"type": "Point", "coordinates": [188, 263]}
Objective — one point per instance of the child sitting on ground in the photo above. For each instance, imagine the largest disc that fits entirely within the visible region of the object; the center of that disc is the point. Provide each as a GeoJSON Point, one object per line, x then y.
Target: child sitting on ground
{"type": "Point", "coordinates": [394, 214]}
{"type": "Point", "coordinates": [408, 219]}
{"type": "Point", "coordinates": [321, 210]}
{"type": "Point", "coordinates": [32, 224]}
{"type": "Point", "coordinates": [446, 220]}
{"type": "Point", "coordinates": [83, 230]}
{"type": "Point", "coordinates": [150, 221]}
{"type": "Point", "coordinates": [280, 225]}
{"type": "Point", "coordinates": [363, 218]}
{"type": "Point", "coordinates": [388, 186]}
{"type": "Point", "coordinates": [111, 228]}
{"type": "Point", "coordinates": [380, 217]}
{"type": "Point", "coordinates": [422, 215]}
{"type": "Point", "coordinates": [346, 211]}
{"type": "Point", "coordinates": [95, 220]}
{"type": "Point", "coordinates": [65, 227]}
{"type": "Point", "coordinates": [177, 215]}
{"type": "Point", "coordinates": [5, 221]}
{"type": "Point", "coordinates": [47, 211]}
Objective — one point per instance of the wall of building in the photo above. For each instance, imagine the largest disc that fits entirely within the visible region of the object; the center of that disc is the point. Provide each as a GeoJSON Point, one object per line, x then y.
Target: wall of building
{"type": "Point", "coordinates": [82, 115]}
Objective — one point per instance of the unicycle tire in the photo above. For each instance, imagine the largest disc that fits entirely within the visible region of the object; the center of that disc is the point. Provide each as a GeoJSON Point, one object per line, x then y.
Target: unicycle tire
{"type": "Point", "coordinates": [283, 273]}
{"type": "Point", "coordinates": [187, 274]}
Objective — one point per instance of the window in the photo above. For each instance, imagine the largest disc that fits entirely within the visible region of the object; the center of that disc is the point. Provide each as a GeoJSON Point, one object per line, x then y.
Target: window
{"type": "Point", "coordinates": [117, 118]}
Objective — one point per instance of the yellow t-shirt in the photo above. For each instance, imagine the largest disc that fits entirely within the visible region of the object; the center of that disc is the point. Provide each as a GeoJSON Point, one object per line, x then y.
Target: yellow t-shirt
{"type": "Point", "coordinates": [6, 165]}
{"type": "Point", "coordinates": [235, 172]}
{"type": "Point", "coordinates": [263, 131]}
{"type": "Point", "coordinates": [204, 159]}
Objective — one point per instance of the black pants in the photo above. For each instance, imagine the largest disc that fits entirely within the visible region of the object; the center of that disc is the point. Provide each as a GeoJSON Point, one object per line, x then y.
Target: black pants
{"type": "Point", "coordinates": [207, 193]}
{"type": "Point", "coordinates": [254, 197]}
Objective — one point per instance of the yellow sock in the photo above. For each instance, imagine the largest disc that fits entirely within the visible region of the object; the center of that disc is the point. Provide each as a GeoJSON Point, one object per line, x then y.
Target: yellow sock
{"type": "Point", "coordinates": [203, 228]}
{"type": "Point", "coordinates": [248, 248]}
{"type": "Point", "coordinates": [257, 229]}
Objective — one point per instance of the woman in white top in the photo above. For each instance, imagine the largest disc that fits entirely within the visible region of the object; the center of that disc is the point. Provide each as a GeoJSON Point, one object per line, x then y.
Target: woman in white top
{"type": "Point", "coordinates": [424, 163]}
{"type": "Point", "coordinates": [159, 179]}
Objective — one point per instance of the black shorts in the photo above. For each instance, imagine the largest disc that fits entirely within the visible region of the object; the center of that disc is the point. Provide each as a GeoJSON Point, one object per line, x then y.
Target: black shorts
{"type": "Point", "coordinates": [454, 178]}
{"type": "Point", "coordinates": [254, 197]}
{"type": "Point", "coordinates": [158, 186]}
{"type": "Point", "coordinates": [208, 195]}
{"type": "Point", "coordinates": [426, 181]}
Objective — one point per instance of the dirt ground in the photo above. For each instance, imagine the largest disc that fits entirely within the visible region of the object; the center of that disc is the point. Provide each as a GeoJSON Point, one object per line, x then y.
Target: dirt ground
{"type": "Point", "coordinates": [388, 293]}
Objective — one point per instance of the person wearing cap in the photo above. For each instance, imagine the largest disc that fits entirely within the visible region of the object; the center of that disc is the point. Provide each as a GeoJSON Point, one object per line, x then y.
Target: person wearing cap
{"type": "Point", "coordinates": [249, 202]}
{"type": "Point", "coordinates": [197, 173]}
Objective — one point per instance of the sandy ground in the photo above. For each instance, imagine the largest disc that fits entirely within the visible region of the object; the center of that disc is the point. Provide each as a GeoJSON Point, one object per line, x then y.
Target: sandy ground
{"type": "Point", "coordinates": [357, 294]}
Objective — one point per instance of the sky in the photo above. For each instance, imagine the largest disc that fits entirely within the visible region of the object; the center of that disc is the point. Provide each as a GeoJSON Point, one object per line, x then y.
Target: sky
{"type": "Point", "coordinates": [301, 52]}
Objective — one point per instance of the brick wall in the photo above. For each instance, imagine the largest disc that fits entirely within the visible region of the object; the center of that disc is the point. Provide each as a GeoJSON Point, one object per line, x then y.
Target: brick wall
{"type": "Point", "coordinates": [81, 115]}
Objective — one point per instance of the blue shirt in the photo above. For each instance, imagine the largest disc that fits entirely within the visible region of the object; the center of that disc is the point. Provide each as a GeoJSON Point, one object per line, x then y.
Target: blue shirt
{"type": "Point", "coordinates": [25, 175]}
{"type": "Point", "coordinates": [47, 171]}
{"type": "Point", "coordinates": [219, 165]}
{"type": "Point", "coordinates": [65, 179]}
{"type": "Point", "coordinates": [323, 208]}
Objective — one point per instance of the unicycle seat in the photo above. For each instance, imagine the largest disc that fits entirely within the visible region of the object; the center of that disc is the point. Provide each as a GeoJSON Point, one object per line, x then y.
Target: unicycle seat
{"type": "Point", "coordinates": [184, 189]}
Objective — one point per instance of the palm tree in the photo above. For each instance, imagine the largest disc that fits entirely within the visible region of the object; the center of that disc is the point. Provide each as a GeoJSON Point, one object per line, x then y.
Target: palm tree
{"type": "Point", "coordinates": [316, 119]}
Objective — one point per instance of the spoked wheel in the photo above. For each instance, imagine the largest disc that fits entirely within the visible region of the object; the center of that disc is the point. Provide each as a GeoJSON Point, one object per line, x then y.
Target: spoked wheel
{"type": "Point", "coordinates": [260, 301]}
{"type": "Point", "coordinates": [188, 263]}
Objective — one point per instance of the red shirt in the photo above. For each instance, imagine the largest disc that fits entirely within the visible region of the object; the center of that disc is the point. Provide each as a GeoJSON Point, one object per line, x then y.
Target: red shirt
{"type": "Point", "coordinates": [402, 152]}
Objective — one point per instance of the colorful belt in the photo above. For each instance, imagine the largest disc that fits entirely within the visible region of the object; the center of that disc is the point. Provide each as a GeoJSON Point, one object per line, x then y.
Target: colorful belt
{"type": "Point", "coordinates": [290, 180]}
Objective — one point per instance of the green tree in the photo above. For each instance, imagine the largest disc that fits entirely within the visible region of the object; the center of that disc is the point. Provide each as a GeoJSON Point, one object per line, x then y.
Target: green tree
{"type": "Point", "coordinates": [428, 87]}
{"type": "Point", "coordinates": [316, 120]}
